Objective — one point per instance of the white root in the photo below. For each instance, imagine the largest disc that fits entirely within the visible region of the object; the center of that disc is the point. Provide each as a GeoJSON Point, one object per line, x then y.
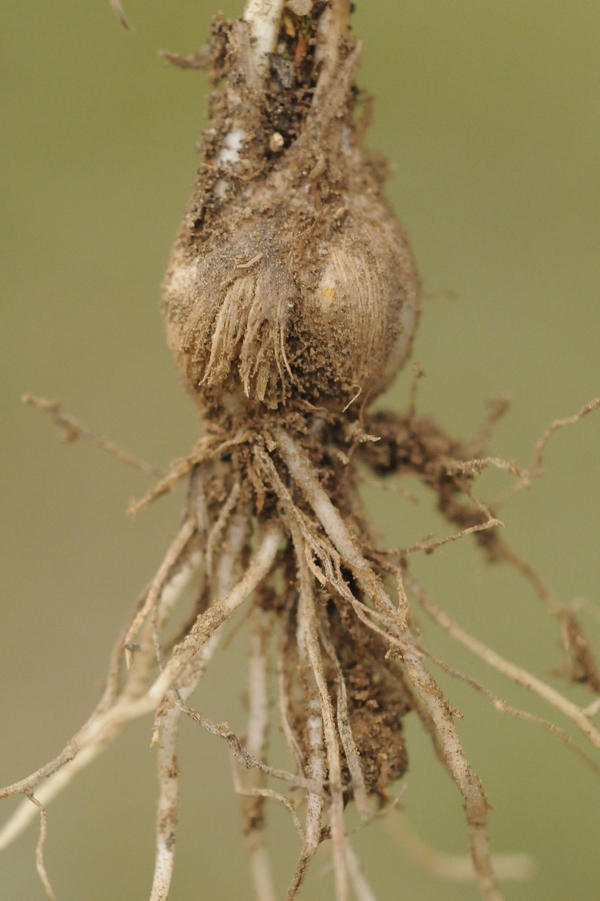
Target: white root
{"type": "Point", "coordinates": [283, 702]}
{"type": "Point", "coordinates": [593, 708]}
{"type": "Point", "coordinates": [39, 850]}
{"type": "Point", "coordinates": [518, 675]}
{"type": "Point", "coordinates": [216, 533]}
{"type": "Point", "coordinates": [167, 806]}
{"type": "Point", "coordinates": [308, 630]}
{"type": "Point", "coordinates": [107, 722]}
{"type": "Point", "coordinates": [258, 711]}
{"type": "Point", "coordinates": [314, 802]}
{"type": "Point", "coordinates": [168, 775]}
{"type": "Point", "coordinates": [438, 709]}
{"type": "Point", "coordinates": [502, 707]}
{"type": "Point", "coordinates": [351, 753]}
{"type": "Point", "coordinates": [261, 868]}
{"type": "Point", "coordinates": [362, 889]}
{"type": "Point", "coordinates": [209, 621]}
{"type": "Point", "coordinates": [333, 27]}
{"type": "Point", "coordinates": [454, 867]}
{"type": "Point", "coordinates": [315, 764]}
{"type": "Point", "coordinates": [230, 552]}
{"type": "Point", "coordinates": [256, 740]}
{"type": "Point", "coordinates": [166, 732]}
{"type": "Point", "coordinates": [100, 731]}
{"type": "Point", "coordinates": [176, 549]}
{"type": "Point", "coordinates": [263, 17]}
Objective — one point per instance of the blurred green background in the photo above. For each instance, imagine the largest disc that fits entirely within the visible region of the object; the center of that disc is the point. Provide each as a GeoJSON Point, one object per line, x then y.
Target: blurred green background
{"type": "Point", "coordinates": [489, 112]}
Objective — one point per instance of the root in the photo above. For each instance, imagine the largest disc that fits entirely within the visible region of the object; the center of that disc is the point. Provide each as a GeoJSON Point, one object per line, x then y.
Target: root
{"type": "Point", "coordinates": [454, 867]}
{"type": "Point", "coordinates": [479, 464]}
{"type": "Point", "coordinates": [536, 467]}
{"type": "Point", "coordinates": [361, 887]}
{"type": "Point", "coordinates": [513, 672]}
{"type": "Point", "coordinates": [208, 448]}
{"type": "Point", "coordinates": [475, 802]}
{"type": "Point", "coordinates": [427, 547]}
{"type": "Point", "coordinates": [283, 699]}
{"type": "Point", "coordinates": [267, 793]}
{"type": "Point", "coordinates": [72, 430]}
{"type": "Point", "coordinates": [502, 707]}
{"type": "Point", "coordinates": [136, 698]}
{"type": "Point", "coordinates": [167, 730]}
{"type": "Point", "coordinates": [309, 638]}
{"type": "Point", "coordinates": [359, 790]}
{"type": "Point", "coordinates": [216, 533]}
{"type": "Point", "coordinates": [422, 448]}
{"type": "Point", "coordinates": [315, 765]}
{"type": "Point", "coordinates": [223, 731]}
{"type": "Point", "coordinates": [209, 621]}
{"type": "Point", "coordinates": [333, 30]}
{"type": "Point", "coordinates": [263, 17]}
{"type": "Point", "coordinates": [479, 443]}
{"type": "Point", "coordinates": [256, 739]}
{"type": "Point", "coordinates": [120, 14]}
{"type": "Point", "coordinates": [172, 556]}
{"type": "Point", "coordinates": [39, 850]}
{"type": "Point", "coordinates": [115, 710]}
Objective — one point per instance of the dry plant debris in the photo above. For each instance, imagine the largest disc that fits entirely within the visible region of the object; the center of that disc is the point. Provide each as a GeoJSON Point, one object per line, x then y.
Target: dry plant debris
{"type": "Point", "coordinates": [290, 302]}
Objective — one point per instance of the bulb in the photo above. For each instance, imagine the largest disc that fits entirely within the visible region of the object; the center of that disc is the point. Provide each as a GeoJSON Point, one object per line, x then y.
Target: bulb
{"type": "Point", "coordinates": [290, 277]}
